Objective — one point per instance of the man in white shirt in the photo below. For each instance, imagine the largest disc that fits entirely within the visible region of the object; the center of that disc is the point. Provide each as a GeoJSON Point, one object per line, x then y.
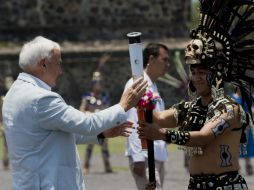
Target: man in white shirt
{"type": "Point", "coordinates": [156, 62]}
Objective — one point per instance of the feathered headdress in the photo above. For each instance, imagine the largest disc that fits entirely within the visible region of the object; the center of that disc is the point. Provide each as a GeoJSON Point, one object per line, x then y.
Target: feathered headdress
{"type": "Point", "coordinates": [226, 30]}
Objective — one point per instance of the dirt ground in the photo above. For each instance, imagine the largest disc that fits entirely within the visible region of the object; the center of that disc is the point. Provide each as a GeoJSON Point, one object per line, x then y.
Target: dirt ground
{"type": "Point", "coordinates": [176, 177]}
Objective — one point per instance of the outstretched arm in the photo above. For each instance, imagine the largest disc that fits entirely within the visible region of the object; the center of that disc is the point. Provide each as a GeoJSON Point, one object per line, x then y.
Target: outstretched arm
{"type": "Point", "coordinates": [211, 130]}
{"type": "Point", "coordinates": [124, 130]}
{"type": "Point", "coordinates": [166, 118]}
{"type": "Point", "coordinates": [215, 129]}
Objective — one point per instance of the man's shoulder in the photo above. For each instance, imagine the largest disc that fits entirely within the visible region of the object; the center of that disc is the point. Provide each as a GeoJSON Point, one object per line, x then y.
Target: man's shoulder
{"type": "Point", "coordinates": [38, 94]}
{"type": "Point", "coordinates": [41, 92]}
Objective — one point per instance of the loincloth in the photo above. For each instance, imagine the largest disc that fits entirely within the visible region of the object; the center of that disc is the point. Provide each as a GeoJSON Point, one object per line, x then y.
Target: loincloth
{"type": "Point", "coordinates": [225, 181]}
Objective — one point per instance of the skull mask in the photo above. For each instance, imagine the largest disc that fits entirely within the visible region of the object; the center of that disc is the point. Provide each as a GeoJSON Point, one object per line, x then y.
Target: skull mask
{"type": "Point", "coordinates": [193, 52]}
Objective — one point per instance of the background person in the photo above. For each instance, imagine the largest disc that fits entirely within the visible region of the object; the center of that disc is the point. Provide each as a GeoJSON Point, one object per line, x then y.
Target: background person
{"type": "Point", "coordinates": [95, 101]}
{"type": "Point", "coordinates": [5, 84]}
{"type": "Point", "coordinates": [247, 150]}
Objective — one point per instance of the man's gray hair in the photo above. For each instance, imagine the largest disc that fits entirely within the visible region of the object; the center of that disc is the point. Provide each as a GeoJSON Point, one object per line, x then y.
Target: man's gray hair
{"type": "Point", "coordinates": [35, 50]}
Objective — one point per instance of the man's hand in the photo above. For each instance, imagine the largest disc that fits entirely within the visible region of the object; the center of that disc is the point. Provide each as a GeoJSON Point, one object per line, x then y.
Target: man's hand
{"type": "Point", "coordinates": [124, 129]}
{"type": "Point", "coordinates": [151, 131]}
{"type": "Point", "coordinates": [133, 94]}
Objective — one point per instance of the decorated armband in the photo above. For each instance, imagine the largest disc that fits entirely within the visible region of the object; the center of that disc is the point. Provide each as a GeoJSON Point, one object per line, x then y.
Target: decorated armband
{"type": "Point", "coordinates": [177, 137]}
{"type": "Point", "coordinates": [220, 127]}
{"type": "Point", "coordinates": [180, 111]}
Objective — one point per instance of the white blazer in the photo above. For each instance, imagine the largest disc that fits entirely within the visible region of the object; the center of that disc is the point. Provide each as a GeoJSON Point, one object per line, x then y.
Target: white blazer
{"type": "Point", "coordinates": [42, 130]}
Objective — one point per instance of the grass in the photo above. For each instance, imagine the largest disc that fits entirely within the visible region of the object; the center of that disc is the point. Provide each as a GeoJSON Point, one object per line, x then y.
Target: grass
{"type": "Point", "coordinates": [116, 146]}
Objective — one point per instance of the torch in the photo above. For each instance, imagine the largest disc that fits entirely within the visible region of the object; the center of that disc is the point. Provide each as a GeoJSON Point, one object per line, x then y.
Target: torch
{"type": "Point", "coordinates": [136, 56]}
{"type": "Point", "coordinates": [143, 109]}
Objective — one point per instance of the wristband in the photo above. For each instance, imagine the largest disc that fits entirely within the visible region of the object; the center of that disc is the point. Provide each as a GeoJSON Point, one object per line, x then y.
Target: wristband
{"type": "Point", "coordinates": [177, 137]}
{"type": "Point", "coordinates": [101, 138]}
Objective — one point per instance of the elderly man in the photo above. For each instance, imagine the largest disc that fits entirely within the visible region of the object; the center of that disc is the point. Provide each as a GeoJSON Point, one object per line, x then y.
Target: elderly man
{"type": "Point", "coordinates": [42, 130]}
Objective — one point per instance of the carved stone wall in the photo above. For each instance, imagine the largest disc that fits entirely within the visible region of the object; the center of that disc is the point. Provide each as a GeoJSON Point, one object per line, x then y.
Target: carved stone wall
{"type": "Point", "coordinates": [93, 19]}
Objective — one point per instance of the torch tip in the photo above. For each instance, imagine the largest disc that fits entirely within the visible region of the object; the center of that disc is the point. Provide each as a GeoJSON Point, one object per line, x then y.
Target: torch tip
{"type": "Point", "coordinates": [134, 34]}
{"type": "Point", "coordinates": [134, 37]}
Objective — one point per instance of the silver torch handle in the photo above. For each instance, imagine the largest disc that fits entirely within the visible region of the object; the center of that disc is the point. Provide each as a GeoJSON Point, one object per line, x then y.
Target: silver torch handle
{"type": "Point", "coordinates": [136, 55]}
